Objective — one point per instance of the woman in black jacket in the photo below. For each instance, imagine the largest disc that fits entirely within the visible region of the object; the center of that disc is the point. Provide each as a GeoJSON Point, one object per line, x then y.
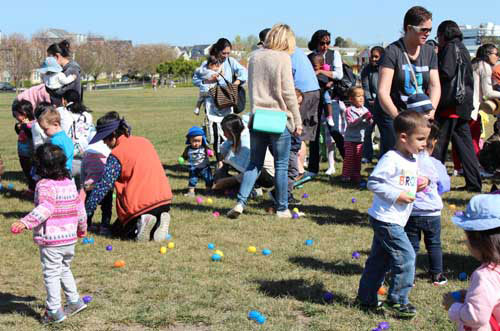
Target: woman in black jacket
{"type": "Point", "coordinates": [453, 113]}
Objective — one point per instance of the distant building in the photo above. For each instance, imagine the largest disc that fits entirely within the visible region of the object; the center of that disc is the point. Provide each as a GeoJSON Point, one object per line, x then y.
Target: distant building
{"type": "Point", "coordinates": [474, 35]}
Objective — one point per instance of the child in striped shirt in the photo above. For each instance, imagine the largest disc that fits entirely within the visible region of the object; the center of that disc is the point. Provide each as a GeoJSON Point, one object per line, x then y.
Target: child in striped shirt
{"type": "Point", "coordinates": [359, 119]}
{"type": "Point", "coordinates": [94, 160]}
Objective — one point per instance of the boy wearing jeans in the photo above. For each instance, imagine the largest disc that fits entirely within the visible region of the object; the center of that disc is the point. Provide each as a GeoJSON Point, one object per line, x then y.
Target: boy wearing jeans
{"type": "Point", "coordinates": [394, 184]}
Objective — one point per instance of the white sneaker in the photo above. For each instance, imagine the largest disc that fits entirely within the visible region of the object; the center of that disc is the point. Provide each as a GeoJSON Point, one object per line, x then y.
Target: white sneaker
{"type": "Point", "coordinates": [284, 214]}
{"type": "Point", "coordinates": [329, 120]}
{"type": "Point", "coordinates": [162, 230]}
{"type": "Point", "coordinates": [259, 192]}
{"type": "Point", "coordinates": [330, 171]}
{"type": "Point", "coordinates": [236, 211]}
{"type": "Point", "coordinates": [144, 227]}
{"type": "Point", "coordinates": [197, 111]}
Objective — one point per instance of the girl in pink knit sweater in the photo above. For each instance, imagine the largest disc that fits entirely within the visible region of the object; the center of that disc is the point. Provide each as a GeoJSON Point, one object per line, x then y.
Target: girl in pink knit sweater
{"type": "Point", "coordinates": [57, 221]}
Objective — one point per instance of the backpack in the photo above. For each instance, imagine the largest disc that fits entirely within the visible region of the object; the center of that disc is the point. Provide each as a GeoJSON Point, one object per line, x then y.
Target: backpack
{"type": "Point", "coordinates": [81, 132]}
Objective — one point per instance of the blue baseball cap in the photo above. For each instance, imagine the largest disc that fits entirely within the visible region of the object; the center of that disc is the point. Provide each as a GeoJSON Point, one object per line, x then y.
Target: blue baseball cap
{"type": "Point", "coordinates": [196, 131]}
{"type": "Point", "coordinates": [419, 102]}
{"type": "Point", "coordinates": [50, 65]}
{"type": "Point", "coordinates": [482, 213]}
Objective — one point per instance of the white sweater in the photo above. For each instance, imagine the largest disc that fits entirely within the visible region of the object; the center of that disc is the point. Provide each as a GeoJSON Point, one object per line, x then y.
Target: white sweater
{"type": "Point", "coordinates": [483, 85]}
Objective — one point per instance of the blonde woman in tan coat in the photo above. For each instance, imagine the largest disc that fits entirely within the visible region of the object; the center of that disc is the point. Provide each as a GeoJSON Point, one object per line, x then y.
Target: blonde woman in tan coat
{"type": "Point", "coordinates": [270, 85]}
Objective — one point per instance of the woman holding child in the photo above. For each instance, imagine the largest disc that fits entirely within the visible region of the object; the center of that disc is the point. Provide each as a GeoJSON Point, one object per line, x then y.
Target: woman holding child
{"type": "Point", "coordinates": [233, 72]}
{"type": "Point", "coordinates": [143, 193]}
{"type": "Point", "coordinates": [398, 81]}
{"type": "Point", "coordinates": [61, 51]}
{"type": "Point", "coordinates": [271, 92]}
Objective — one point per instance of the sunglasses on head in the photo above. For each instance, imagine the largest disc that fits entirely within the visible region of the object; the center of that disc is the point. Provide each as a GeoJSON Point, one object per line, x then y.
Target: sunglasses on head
{"type": "Point", "coordinates": [419, 29]}
{"type": "Point", "coordinates": [323, 43]}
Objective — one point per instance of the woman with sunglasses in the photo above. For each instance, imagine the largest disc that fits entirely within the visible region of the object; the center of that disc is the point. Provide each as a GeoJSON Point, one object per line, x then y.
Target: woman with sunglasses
{"type": "Point", "coordinates": [234, 73]}
{"type": "Point", "coordinates": [451, 116]}
{"type": "Point", "coordinates": [396, 82]}
{"type": "Point", "coordinates": [320, 44]}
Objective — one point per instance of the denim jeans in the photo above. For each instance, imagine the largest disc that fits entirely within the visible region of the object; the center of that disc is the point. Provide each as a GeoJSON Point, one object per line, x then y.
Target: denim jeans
{"type": "Point", "coordinates": [391, 251]}
{"type": "Point", "coordinates": [368, 143]}
{"type": "Point", "coordinates": [386, 129]}
{"type": "Point", "coordinates": [205, 173]}
{"type": "Point", "coordinates": [431, 227]}
{"type": "Point", "coordinates": [280, 148]}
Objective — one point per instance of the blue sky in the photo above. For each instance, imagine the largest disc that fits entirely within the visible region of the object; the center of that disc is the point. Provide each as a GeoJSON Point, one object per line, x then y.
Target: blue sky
{"type": "Point", "coordinates": [187, 22]}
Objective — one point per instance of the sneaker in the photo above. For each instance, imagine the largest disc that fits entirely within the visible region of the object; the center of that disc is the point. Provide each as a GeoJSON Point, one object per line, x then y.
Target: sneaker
{"type": "Point", "coordinates": [190, 194]}
{"type": "Point", "coordinates": [162, 230]}
{"type": "Point", "coordinates": [401, 310]}
{"type": "Point", "coordinates": [56, 317]}
{"type": "Point", "coordinates": [439, 279]}
{"type": "Point", "coordinates": [485, 174]}
{"type": "Point", "coordinates": [310, 174]}
{"type": "Point", "coordinates": [329, 120]}
{"type": "Point", "coordinates": [284, 214]}
{"type": "Point", "coordinates": [197, 111]}
{"type": "Point", "coordinates": [74, 308]}
{"type": "Point", "coordinates": [236, 211]}
{"type": "Point", "coordinates": [330, 171]}
{"type": "Point", "coordinates": [293, 201]}
{"type": "Point", "coordinates": [144, 227]}
{"type": "Point", "coordinates": [377, 307]}
{"type": "Point", "coordinates": [259, 192]}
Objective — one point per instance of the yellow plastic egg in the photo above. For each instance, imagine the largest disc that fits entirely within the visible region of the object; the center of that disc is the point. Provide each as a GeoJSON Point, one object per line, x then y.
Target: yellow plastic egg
{"type": "Point", "coordinates": [296, 210]}
{"type": "Point", "coordinates": [453, 207]}
{"type": "Point", "coordinates": [171, 245]}
{"type": "Point", "coordinates": [163, 250]}
{"type": "Point", "coordinates": [210, 201]}
{"type": "Point", "coordinates": [252, 249]}
{"type": "Point", "coordinates": [219, 252]}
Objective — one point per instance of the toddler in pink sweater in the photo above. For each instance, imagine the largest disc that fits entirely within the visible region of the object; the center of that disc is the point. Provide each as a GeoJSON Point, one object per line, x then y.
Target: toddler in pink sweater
{"type": "Point", "coordinates": [478, 308]}
{"type": "Point", "coordinates": [57, 221]}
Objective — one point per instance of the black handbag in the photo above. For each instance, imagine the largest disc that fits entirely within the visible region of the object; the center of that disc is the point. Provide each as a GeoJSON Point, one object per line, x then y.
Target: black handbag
{"type": "Point", "coordinates": [453, 94]}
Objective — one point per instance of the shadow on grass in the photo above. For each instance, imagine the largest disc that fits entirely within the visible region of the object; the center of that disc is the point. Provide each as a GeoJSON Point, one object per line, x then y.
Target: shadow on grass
{"type": "Point", "coordinates": [14, 214]}
{"type": "Point", "coordinates": [10, 303]}
{"type": "Point", "coordinates": [335, 267]}
{"type": "Point", "coordinates": [456, 201]}
{"type": "Point", "coordinates": [199, 208]}
{"type": "Point", "coordinates": [330, 215]}
{"type": "Point", "coordinates": [176, 171]}
{"type": "Point", "coordinates": [14, 194]}
{"type": "Point", "coordinates": [12, 175]}
{"type": "Point", "coordinates": [300, 290]}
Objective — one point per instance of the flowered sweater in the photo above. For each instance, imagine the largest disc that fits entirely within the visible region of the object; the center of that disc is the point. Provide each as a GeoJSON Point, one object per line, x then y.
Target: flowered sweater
{"type": "Point", "coordinates": [59, 213]}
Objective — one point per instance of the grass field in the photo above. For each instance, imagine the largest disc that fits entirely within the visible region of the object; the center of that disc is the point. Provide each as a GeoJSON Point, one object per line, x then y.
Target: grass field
{"type": "Point", "coordinates": [183, 289]}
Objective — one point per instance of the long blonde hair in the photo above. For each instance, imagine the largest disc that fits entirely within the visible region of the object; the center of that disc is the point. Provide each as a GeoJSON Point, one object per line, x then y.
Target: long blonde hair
{"type": "Point", "coordinates": [280, 38]}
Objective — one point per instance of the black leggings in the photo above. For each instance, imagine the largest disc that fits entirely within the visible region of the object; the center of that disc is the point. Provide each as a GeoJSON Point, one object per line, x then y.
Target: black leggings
{"type": "Point", "coordinates": [129, 231]}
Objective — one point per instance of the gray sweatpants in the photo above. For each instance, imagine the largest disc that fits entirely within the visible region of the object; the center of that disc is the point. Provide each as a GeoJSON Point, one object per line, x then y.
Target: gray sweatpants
{"type": "Point", "coordinates": [293, 170]}
{"type": "Point", "coordinates": [56, 272]}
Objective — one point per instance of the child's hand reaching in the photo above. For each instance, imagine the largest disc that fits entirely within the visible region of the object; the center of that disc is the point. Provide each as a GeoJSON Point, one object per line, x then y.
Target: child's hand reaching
{"type": "Point", "coordinates": [405, 198]}
{"type": "Point", "coordinates": [17, 227]}
{"type": "Point", "coordinates": [422, 183]}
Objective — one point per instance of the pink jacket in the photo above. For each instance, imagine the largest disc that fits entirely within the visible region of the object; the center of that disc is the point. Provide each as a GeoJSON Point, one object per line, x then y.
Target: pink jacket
{"type": "Point", "coordinates": [482, 300]}
{"type": "Point", "coordinates": [35, 95]}
{"type": "Point", "coordinates": [58, 215]}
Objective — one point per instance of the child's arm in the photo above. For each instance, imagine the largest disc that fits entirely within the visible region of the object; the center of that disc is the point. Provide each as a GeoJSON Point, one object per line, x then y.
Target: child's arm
{"type": "Point", "coordinates": [443, 183]}
{"type": "Point", "coordinates": [82, 219]}
{"type": "Point", "coordinates": [46, 205]}
{"type": "Point", "coordinates": [185, 153]}
{"type": "Point", "coordinates": [476, 310]}
{"type": "Point", "coordinates": [65, 80]}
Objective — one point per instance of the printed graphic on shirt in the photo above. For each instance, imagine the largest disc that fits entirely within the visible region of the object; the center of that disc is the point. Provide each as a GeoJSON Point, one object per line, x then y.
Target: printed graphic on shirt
{"type": "Point", "coordinates": [408, 179]}
{"type": "Point", "coordinates": [409, 85]}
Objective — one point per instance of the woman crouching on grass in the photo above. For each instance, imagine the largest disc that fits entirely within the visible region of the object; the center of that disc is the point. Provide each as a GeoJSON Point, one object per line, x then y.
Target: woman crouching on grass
{"type": "Point", "coordinates": [143, 193]}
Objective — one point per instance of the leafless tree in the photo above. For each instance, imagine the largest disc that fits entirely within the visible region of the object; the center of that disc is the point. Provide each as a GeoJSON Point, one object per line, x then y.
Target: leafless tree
{"type": "Point", "coordinates": [20, 57]}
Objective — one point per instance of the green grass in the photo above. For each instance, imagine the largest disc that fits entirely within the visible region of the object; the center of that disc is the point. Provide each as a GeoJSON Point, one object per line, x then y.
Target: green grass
{"type": "Point", "coordinates": [183, 289]}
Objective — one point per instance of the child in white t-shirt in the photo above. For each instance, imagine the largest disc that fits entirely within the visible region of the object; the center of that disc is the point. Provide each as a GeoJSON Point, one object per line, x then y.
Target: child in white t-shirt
{"type": "Point", "coordinates": [394, 184]}
{"type": "Point", "coordinates": [52, 74]}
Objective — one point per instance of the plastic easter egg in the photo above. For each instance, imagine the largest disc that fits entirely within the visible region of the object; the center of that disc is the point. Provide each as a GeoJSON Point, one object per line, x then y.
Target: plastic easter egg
{"type": "Point", "coordinates": [181, 160]}
{"type": "Point", "coordinates": [462, 276]}
{"type": "Point", "coordinates": [266, 252]}
{"type": "Point", "coordinates": [87, 299]}
{"type": "Point", "coordinates": [211, 246]}
{"type": "Point", "coordinates": [309, 242]}
{"type": "Point", "coordinates": [353, 200]}
{"type": "Point", "coordinates": [168, 236]}
{"type": "Point", "coordinates": [171, 245]}
{"type": "Point", "coordinates": [210, 201]}
{"type": "Point", "coordinates": [453, 207]}
{"type": "Point", "coordinates": [383, 325]}
{"type": "Point", "coordinates": [296, 210]}
{"type": "Point", "coordinates": [199, 200]}
{"type": "Point", "coordinates": [216, 257]}
{"type": "Point", "coordinates": [119, 264]}
{"type": "Point", "coordinates": [295, 216]}
{"type": "Point", "coordinates": [356, 255]}
{"type": "Point", "coordinates": [382, 291]}
{"type": "Point", "coordinates": [216, 214]}
{"type": "Point", "coordinates": [328, 296]}
{"type": "Point", "coordinates": [457, 296]}
{"type": "Point", "coordinates": [10, 186]}
{"type": "Point", "coordinates": [109, 248]}
{"type": "Point", "coordinates": [219, 252]}
{"type": "Point", "coordinates": [252, 249]}
{"type": "Point", "coordinates": [305, 196]}
{"type": "Point", "coordinates": [163, 250]}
